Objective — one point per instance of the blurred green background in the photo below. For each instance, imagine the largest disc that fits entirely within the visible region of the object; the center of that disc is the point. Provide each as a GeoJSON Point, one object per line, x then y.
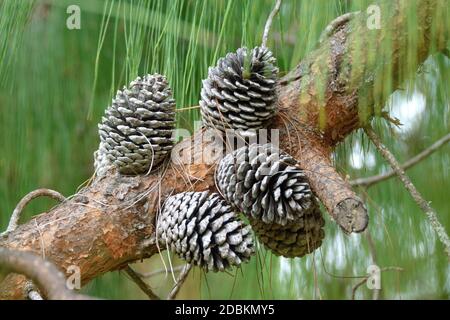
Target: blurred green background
{"type": "Point", "coordinates": [55, 84]}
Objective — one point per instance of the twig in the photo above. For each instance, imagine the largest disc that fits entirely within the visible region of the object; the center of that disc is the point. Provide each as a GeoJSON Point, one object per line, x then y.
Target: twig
{"type": "Point", "coordinates": [157, 272]}
{"type": "Point", "coordinates": [14, 221]}
{"type": "Point", "coordinates": [331, 28]}
{"type": "Point", "coordinates": [269, 23]}
{"type": "Point", "coordinates": [357, 285]}
{"type": "Point", "coordinates": [364, 280]}
{"type": "Point", "coordinates": [42, 272]}
{"type": "Point", "coordinates": [424, 205]}
{"type": "Point", "coordinates": [141, 284]}
{"type": "Point", "coordinates": [181, 278]}
{"type": "Point", "coordinates": [369, 181]}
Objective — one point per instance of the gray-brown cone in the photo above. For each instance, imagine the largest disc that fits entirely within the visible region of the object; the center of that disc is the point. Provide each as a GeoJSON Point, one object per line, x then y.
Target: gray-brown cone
{"type": "Point", "coordinates": [296, 238]}
{"type": "Point", "coordinates": [239, 92]}
{"type": "Point", "coordinates": [202, 229]}
{"type": "Point", "coordinates": [136, 130]}
{"type": "Point", "coordinates": [264, 184]}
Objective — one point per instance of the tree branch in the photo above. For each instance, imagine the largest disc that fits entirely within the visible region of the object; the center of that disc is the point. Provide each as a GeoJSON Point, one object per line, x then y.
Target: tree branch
{"type": "Point", "coordinates": [334, 25]}
{"type": "Point", "coordinates": [369, 181]}
{"type": "Point", "coordinates": [269, 23]}
{"type": "Point", "coordinates": [365, 279]}
{"type": "Point", "coordinates": [424, 205]}
{"type": "Point", "coordinates": [14, 221]}
{"type": "Point", "coordinates": [110, 223]}
{"type": "Point", "coordinates": [181, 279]}
{"type": "Point", "coordinates": [48, 278]}
{"type": "Point", "coordinates": [141, 283]}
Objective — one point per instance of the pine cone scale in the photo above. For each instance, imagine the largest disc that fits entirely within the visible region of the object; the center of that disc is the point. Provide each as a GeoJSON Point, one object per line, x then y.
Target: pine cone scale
{"type": "Point", "coordinates": [204, 230]}
{"type": "Point", "coordinates": [265, 184]}
{"type": "Point", "coordinates": [136, 131]}
{"type": "Point", "coordinates": [240, 96]}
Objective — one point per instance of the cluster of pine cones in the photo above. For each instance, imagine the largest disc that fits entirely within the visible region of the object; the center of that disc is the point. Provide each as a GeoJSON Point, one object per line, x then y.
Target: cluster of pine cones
{"type": "Point", "coordinates": [261, 182]}
{"type": "Point", "coordinates": [264, 184]}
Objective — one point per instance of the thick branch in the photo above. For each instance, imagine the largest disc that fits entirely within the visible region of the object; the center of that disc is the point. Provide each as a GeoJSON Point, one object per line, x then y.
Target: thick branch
{"type": "Point", "coordinates": [101, 229]}
{"type": "Point", "coordinates": [47, 277]}
{"type": "Point", "coordinates": [109, 224]}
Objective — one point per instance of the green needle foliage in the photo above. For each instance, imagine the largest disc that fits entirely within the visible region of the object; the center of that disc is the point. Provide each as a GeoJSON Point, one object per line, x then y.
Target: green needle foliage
{"type": "Point", "coordinates": [55, 84]}
{"type": "Point", "coordinates": [13, 19]}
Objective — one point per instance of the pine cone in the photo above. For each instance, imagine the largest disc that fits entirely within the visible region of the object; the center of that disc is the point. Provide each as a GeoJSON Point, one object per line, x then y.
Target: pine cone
{"type": "Point", "coordinates": [202, 229]}
{"type": "Point", "coordinates": [136, 131]}
{"type": "Point", "coordinates": [295, 239]}
{"type": "Point", "coordinates": [264, 184]}
{"type": "Point", "coordinates": [239, 92]}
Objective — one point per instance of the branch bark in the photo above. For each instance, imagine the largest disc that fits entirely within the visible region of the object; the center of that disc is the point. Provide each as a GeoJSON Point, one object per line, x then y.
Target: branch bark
{"type": "Point", "coordinates": [110, 223]}
{"type": "Point", "coordinates": [47, 277]}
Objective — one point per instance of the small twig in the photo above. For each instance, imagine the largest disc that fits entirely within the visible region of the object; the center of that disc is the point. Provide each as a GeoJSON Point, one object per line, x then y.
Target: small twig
{"type": "Point", "coordinates": [369, 181]}
{"type": "Point", "coordinates": [141, 284]}
{"type": "Point", "coordinates": [391, 120]}
{"type": "Point", "coordinates": [14, 220]}
{"type": "Point", "coordinates": [181, 278]}
{"type": "Point", "coordinates": [424, 205]}
{"type": "Point", "coordinates": [357, 285]}
{"type": "Point", "coordinates": [157, 272]}
{"type": "Point", "coordinates": [42, 272]}
{"type": "Point", "coordinates": [365, 279]}
{"type": "Point", "coordinates": [269, 23]}
{"type": "Point", "coordinates": [331, 28]}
